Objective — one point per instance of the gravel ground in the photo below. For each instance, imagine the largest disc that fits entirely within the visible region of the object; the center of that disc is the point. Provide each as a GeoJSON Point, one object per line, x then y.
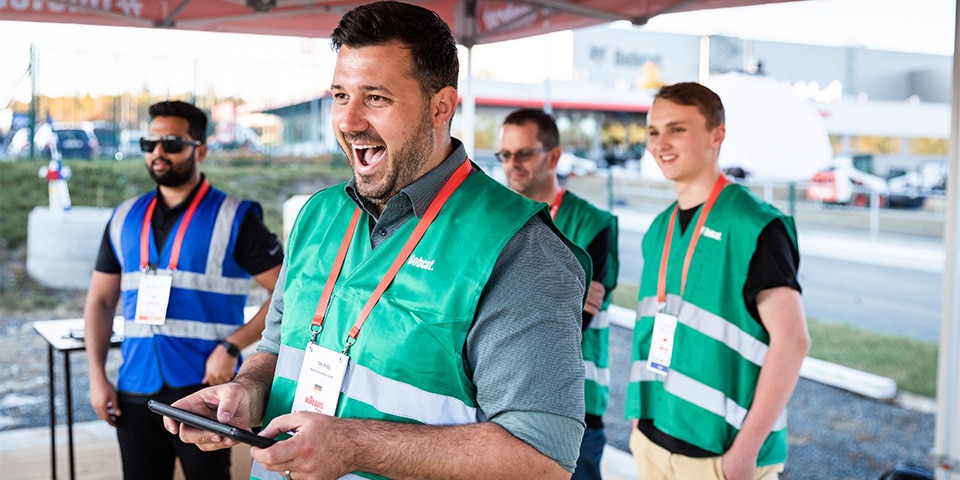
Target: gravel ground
{"type": "Point", "coordinates": [833, 434]}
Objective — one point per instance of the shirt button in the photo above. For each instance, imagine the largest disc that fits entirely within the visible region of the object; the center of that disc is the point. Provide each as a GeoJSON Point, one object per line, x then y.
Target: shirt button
{"type": "Point", "coordinates": [383, 233]}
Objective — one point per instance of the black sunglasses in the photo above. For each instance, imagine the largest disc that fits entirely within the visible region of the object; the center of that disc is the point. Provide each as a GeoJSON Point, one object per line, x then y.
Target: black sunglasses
{"type": "Point", "coordinates": [170, 143]}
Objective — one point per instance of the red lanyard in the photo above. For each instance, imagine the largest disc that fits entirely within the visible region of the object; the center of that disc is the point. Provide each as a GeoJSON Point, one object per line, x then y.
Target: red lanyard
{"type": "Point", "coordinates": [178, 240]}
{"type": "Point", "coordinates": [448, 188]}
{"type": "Point", "coordinates": [555, 206]}
{"type": "Point", "coordinates": [662, 280]}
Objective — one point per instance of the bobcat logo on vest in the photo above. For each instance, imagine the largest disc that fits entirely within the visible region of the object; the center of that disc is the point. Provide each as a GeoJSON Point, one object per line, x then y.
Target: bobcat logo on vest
{"type": "Point", "coordinates": [420, 262]}
{"type": "Point", "coordinates": [711, 234]}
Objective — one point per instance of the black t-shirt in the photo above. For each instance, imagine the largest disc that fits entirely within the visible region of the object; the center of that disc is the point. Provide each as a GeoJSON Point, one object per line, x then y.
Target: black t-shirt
{"type": "Point", "coordinates": [257, 250]}
{"type": "Point", "coordinates": [774, 264]}
{"type": "Point", "coordinates": [598, 251]}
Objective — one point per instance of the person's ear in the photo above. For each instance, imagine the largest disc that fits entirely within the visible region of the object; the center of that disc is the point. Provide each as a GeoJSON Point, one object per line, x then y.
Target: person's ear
{"type": "Point", "coordinates": [719, 133]}
{"type": "Point", "coordinates": [201, 152]}
{"type": "Point", "coordinates": [443, 105]}
{"type": "Point", "coordinates": [554, 157]}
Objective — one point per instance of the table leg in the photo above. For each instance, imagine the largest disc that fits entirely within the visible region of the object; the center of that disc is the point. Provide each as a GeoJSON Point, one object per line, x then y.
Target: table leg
{"type": "Point", "coordinates": [66, 373]}
{"type": "Point", "coordinates": [53, 415]}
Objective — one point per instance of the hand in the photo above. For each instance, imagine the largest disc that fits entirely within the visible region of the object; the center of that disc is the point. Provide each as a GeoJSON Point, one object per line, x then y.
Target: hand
{"type": "Point", "coordinates": [738, 467]}
{"type": "Point", "coordinates": [220, 367]}
{"type": "Point", "coordinates": [317, 449]}
{"type": "Point", "coordinates": [228, 403]}
{"type": "Point", "coordinates": [594, 298]}
{"type": "Point", "coordinates": [103, 399]}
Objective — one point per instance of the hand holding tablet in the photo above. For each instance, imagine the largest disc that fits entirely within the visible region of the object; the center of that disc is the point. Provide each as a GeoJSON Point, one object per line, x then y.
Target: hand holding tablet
{"type": "Point", "coordinates": [210, 425]}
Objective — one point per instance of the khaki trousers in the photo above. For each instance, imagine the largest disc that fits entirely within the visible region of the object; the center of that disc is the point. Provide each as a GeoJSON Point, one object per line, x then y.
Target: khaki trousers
{"type": "Point", "coordinates": [656, 463]}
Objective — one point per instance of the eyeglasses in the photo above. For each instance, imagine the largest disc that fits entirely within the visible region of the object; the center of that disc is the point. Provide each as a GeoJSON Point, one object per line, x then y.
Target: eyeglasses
{"type": "Point", "coordinates": [521, 155]}
{"type": "Point", "coordinates": [170, 143]}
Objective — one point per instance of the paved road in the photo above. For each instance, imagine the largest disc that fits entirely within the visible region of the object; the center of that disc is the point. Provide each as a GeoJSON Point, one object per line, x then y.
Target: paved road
{"type": "Point", "coordinates": [890, 284]}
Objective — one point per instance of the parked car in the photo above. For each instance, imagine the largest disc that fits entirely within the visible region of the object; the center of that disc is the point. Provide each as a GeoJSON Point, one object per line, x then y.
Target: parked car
{"type": "Point", "coordinates": [107, 137]}
{"type": "Point", "coordinates": [570, 164]}
{"type": "Point", "coordinates": [128, 145]}
{"type": "Point", "coordinates": [73, 141]}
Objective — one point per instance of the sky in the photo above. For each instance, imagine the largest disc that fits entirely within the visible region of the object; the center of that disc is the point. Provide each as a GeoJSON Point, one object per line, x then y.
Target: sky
{"type": "Point", "coordinates": [272, 71]}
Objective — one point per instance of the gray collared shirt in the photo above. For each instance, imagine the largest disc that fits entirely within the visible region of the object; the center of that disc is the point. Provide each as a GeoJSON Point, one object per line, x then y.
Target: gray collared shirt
{"type": "Point", "coordinates": [523, 351]}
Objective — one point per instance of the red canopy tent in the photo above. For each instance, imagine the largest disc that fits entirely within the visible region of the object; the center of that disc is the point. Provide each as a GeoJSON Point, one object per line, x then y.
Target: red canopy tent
{"type": "Point", "coordinates": [473, 21]}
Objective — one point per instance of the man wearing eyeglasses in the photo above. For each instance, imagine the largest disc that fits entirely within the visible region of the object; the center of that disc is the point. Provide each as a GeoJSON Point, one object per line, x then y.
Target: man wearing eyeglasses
{"type": "Point", "coordinates": [180, 259]}
{"type": "Point", "coordinates": [529, 153]}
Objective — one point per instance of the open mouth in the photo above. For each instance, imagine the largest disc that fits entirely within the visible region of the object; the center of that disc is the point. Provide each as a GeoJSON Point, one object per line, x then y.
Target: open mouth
{"type": "Point", "coordinates": [368, 155]}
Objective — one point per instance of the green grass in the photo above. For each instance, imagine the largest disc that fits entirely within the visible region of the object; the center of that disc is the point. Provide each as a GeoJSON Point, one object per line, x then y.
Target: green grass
{"type": "Point", "coordinates": [911, 363]}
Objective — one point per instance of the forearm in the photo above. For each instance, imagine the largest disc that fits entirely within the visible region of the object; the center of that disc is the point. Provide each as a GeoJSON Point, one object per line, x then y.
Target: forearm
{"type": "Point", "coordinates": [256, 377]}
{"type": "Point", "coordinates": [782, 312]}
{"type": "Point", "coordinates": [98, 314]}
{"type": "Point", "coordinates": [778, 378]}
{"type": "Point", "coordinates": [250, 332]}
{"type": "Point", "coordinates": [484, 450]}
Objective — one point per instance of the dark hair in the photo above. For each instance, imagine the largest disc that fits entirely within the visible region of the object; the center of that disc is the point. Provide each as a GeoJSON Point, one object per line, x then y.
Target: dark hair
{"type": "Point", "coordinates": [432, 46]}
{"type": "Point", "coordinates": [187, 111]}
{"type": "Point", "coordinates": [547, 131]}
{"type": "Point", "coordinates": [695, 95]}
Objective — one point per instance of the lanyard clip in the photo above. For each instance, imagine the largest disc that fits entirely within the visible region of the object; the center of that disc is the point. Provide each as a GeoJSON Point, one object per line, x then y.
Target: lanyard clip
{"type": "Point", "coordinates": [349, 343]}
{"type": "Point", "coordinates": [661, 307]}
{"type": "Point", "coordinates": [315, 332]}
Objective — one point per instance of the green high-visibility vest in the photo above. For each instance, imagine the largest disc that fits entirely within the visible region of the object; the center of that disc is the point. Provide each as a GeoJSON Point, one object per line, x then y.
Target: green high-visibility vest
{"type": "Point", "coordinates": [718, 346]}
{"type": "Point", "coordinates": [407, 362]}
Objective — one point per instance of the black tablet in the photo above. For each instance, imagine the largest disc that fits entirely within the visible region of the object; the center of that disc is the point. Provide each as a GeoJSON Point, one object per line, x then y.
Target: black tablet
{"type": "Point", "coordinates": [210, 425]}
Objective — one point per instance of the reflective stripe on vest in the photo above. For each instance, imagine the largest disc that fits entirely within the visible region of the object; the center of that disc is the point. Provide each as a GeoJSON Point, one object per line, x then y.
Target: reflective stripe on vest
{"type": "Point", "coordinates": [599, 375]}
{"type": "Point", "coordinates": [194, 281]}
{"type": "Point", "coordinates": [180, 328]}
{"type": "Point", "coordinates": [703, 396]}
{"type": "Point", "coordinates": [387, 395]}
{"type": "Point", "coordinates": [711, 325]}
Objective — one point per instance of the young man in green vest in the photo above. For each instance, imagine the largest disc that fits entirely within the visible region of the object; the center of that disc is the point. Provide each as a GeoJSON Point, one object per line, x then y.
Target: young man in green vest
{"type": "Point", "coordinates": [403, 341]}
{"type": "Point", "coordinates": [721, 332]}
{"type": "Point", "coordinates": [529, 153]}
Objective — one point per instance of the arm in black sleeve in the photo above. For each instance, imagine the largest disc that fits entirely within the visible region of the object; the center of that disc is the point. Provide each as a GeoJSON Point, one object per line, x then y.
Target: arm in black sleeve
{"type": "Point", "coordinates": [598, 251]}
{"type": "Point", "coordinates": [257, 249]}
{"type": "Point", "coordinates": [106, 258]}
{"type": "Point", "coordinates": [774, 264]}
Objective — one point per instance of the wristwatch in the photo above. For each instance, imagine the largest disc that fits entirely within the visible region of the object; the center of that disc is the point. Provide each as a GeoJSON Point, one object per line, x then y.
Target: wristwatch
{"type": "Point", "coordinates": [232, 350]}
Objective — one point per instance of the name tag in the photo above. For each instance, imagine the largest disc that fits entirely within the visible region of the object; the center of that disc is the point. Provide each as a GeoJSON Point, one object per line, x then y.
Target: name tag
{"type": "Point", "coordinates": [661, 345]}
{"type": "Point", "coordinates": [153, 295]}
{"type": "Point", "coordinates": [320, 380]}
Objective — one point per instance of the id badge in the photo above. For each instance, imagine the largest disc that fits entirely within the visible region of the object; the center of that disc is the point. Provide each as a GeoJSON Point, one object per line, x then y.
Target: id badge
{"type": "Point", "coordinates": [661, 345]}
{"type": "Point", "coordinates": [153, 295]}
{"type": "Point", "coordinates": [321, 376]}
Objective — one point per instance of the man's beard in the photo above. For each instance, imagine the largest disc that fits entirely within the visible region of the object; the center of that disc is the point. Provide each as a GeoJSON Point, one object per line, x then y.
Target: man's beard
{"type": "Point", "coordinates": [174, 177]}
{"type": "Point", "coordinates": [406, 163]}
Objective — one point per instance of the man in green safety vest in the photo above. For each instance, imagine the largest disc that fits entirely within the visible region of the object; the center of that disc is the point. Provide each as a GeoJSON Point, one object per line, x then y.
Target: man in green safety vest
{"type": "Point", "coordinates": [403, 340]}
{"type": "Point", "coordinates": [529, 153]}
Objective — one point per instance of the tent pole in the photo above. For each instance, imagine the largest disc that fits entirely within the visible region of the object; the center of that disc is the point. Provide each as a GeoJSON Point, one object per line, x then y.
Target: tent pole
{"type": "Point", "coordinates": [470, 108]}
{"type": "Point", "coordinates": [946, 454]}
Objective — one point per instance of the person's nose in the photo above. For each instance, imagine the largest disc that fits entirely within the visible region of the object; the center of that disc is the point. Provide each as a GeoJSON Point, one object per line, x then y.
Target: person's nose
{"type": "Point", "coordinates": [349, 117]}
{"type": "Point", "coordinates": [655, 143]}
